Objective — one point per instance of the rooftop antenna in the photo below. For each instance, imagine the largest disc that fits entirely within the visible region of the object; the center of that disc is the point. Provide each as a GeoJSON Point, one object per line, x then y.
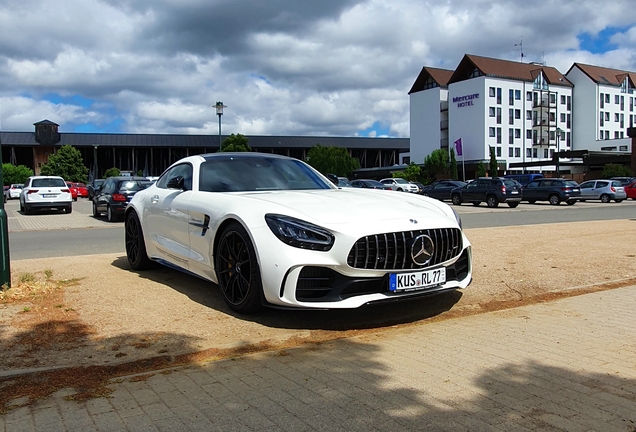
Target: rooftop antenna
{"type": "Point", "coordinates": [520, 45]}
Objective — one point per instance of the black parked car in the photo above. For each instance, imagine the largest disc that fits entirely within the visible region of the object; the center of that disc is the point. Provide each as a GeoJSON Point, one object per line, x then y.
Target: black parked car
{"type": "Point", "coordinates": [369, 184]}
{"type": "Point", "coordinates": [93, 186]}
{"type": "Point", "coordinates": [491, 190]}
{"type": "Point", "coordinates": [114, 195]}
{"type": "Point", "coordinates": [441, 189]}
{"type": "Point", "coordinates": [553, 190]}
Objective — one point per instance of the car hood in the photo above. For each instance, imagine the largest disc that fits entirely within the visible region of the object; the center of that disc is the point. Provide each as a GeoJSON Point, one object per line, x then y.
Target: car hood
{"type": "Point", "coordinates": [346, 206]}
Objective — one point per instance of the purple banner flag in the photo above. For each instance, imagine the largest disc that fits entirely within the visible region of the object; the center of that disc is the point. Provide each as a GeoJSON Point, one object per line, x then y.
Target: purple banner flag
{"type": "Point", "coordinates": [458, 147]}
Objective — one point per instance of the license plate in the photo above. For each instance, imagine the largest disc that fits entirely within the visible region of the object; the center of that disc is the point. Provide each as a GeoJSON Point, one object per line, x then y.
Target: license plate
{"type": "Point", "coordinates": [575, 190]}
{"type": "Point", "coordinates": [49, 195]}
{"type": "Point", "coordinates": [417, 280]}
{"type": "Point", "coordinates": [514, 192]}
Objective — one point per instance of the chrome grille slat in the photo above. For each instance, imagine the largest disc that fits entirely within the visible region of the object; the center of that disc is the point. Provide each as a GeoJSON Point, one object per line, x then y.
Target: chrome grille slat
{"type": "Point", "coordinates": [392, 251]}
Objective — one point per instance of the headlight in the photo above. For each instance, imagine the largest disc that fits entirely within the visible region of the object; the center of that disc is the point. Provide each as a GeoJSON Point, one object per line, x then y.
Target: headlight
{"type": "Point", "coordinates": [298, 233]}
{"type": "Point", "coordinates": [459, 220]}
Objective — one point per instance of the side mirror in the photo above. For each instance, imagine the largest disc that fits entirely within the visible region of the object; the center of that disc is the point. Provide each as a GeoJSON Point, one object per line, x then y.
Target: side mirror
{"type": "Point", "coordinates": [177, 182]}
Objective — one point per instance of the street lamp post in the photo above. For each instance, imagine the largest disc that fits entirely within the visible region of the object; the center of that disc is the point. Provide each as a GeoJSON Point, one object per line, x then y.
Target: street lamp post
{"type": "Point", "coordinates": [5, 267]}
{"type": "Point", "coordinates": [219, 111]}
{"type": "Point", "coordinates": [558, 158]}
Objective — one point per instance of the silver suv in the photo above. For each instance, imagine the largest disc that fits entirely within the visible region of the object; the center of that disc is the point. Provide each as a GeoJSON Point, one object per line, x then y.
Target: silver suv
{"type": "Point", "coordinates": [45, 192]}
{"type": "Point", "coordinates": [399, 184]}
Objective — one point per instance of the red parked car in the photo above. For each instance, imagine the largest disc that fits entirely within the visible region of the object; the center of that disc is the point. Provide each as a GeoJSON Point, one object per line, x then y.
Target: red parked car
{"type": "Point", "coordinates": [73, 190]}
{"type": "Point", "coordinates": [82, 190]}
{"type": "Point", "coordinates": [630, 189]}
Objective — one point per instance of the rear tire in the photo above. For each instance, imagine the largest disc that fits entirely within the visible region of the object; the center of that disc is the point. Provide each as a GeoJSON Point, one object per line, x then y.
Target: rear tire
{"type": "Point", "coordinates": [554, 199]}
{"type": "Point", "coordinates": [110, 216]}
{"type": "Point", "coordinates": [237, 270]}
{"type": "Point", "coordinates": [605, 198]}
{"type": "Point", "coordinates": [135, 244]}
{"type": "Point", "coordinates": [513, 204]}
{"type": "Point", "coordinates": [492, 202]}
{"type": "Point", "coordinates": [619, 200]}
{"type": "Point", "coordinates": [532, 201]}
{"type": "Point", "coordinates": [69, 209]}
{"type": "Point", "coordinates": [95, 212]}
{"type": "Point", "coordinates": [476, 203]}
{"type": "Point", "coordinates": [457, 200]}
{"type": "Point", "coordinates": [571, 202]}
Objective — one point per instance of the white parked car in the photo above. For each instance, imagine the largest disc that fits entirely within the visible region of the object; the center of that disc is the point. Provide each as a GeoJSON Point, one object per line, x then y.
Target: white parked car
{"type": "Point", "coordinates": [14, 191]}
{"type": "Point", "coordinates": [399, 184]}
{"type": "Point", "coordinates": [45, 192]}
{"type": "Point", "coordinates": [270, 230]}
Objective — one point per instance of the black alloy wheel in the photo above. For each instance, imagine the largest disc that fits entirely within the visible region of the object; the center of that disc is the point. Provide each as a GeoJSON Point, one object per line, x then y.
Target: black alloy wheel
{"type": "Point", "coordinates": [554, 199]}
{"type": "Point", "coordinates": [135, 244]}
{"type": "Point", "coordinates": [237, 270]}
{"type": "Point", "coordinates": [457, 200]}
{"type": "Point", "coordinates": [492, 201]}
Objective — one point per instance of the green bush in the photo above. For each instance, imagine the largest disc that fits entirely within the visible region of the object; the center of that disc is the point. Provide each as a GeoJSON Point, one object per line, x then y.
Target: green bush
{"type": "Point", "coordinates": [112, 172]}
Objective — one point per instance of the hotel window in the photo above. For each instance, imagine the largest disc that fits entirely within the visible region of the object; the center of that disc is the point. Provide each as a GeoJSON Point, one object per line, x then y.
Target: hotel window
{"type": "Point", "coordinates": [511, 116]}
{"type": "Point", "coordinates": [511, 136]}
{"type": "Point", "coordinates": [631, 104]}
{"type": "Point", "coordinates": [528, 153]}
{"type": "Point", "coordinates": [517, 133]}
{"type": "Point", "coordinates": [551, 152]}
{"type": "Point", "coordinates": [567, 139]}
{"type": "Point", "coordinates": [569, 104]}
{"type": "Point", "coordinates": [491, 91]}
{"type": "Point", "coordinates": [616, 99]}
{"type": "Point", "coordinates": [498, 151]}
{"type": "Point", "coordinates": [602, 122]}
{"type": "Point", "coordinates": [499, 95]}
{"type": "Point", "coordinates": [518, 94]}
{"type": "Point", "coordinates": [528, 115]}
{"type": "Point", "coordinates": [607, 97]}
{"type": "Point", "coordinates": [511, 97]}
{"type": "Point", "coordinates": [622, 122]}
{"type": "Point", "coordinates": [615, 134]}
{"type": "Point", "coordinates": [491, 111]}
{"type": "Point", "coordinates": [518, 114]}
{"type": "Point", "coordinates": [498, 135]}
{"type": "Point", "coordinates": [623, 148]}
{"type": "Point", "coordinates": [607, 116]}
{"type": "Point", "coordinates": [622, 103]}
{"type": "Point", "coordinates": [534, 153]}
{"type": "Point", "coordinates": [567, 122]}
{"type": "Point", "coordinates": [545, 153]}
{"type": "Point", "coordinates": [511, 151]}
{"type": "Point", "coordinates": [528, 96]}
{"type": "Point", "coordinates": [616, 117]}
{"type": "Point", "coordinates": [552, 99]}
{"type": "Point", "coordinates": [498, 115]}
{"type": "Point", "coordinates": [517, 151]}
{"type": "Point", "coordinates": [529, 134]}
{"type": "Point", "coordinates": [622, 135]}
{"type": "Point", "coordinates": [601, 135]}
{"type": "Point", "coordinates": [562, 117]}
{"type": "Point", "coordinates": [602, 100]}
{"type": "Point", "coordinates": [491, 132]}
{"type": "Point", "coordinates": [607, 134]}
{"type": "Point", "coordinates": [562, 99]}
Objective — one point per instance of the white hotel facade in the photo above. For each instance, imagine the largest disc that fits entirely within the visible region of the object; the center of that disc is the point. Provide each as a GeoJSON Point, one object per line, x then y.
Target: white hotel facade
{"type": "Point", "coordinates": [526, 112]}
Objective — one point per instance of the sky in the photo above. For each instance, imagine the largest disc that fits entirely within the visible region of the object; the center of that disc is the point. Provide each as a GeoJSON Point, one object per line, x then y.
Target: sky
{"type": "Point", "coordinates": [281, 67]}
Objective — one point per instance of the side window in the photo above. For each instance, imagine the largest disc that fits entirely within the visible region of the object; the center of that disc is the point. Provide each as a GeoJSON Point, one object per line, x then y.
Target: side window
{"type": "Point", "coordinates": [108, 185]}
{"type": "Point", "coordinates": [602, 184]}
{"type": "Point", "coordinates": [183, 170]}
{"type": "Point", "coordinates": [533, 184]}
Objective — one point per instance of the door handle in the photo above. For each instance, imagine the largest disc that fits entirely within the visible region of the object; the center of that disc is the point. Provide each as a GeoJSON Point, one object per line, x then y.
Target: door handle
{"type": "Point", "coordinates": [154, 199]}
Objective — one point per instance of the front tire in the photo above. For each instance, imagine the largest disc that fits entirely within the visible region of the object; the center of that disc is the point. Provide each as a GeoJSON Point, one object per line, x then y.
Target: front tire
{"type": "Point", "coordinates": [95, 212]}
{"type": "Point", "coordinates": [135, 244]}
{"type": "Point", "coordinates": [605, 198]}
{"type": "Point", "coordinates": [237, 270]}
{"type": "Point", "coordinates": [457, 200]}
{"type": "Point", "coordinates": [554, 200]}
{"type": "Point", "coordinates": [571, 202]}
{"type": "Point", "coordinates": [492, 201]}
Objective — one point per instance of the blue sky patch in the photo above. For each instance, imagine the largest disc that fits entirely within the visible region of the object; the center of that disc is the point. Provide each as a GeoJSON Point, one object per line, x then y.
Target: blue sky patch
{"type": "Point", "coordinates": [600, 43]}
{"type": "Point", "coordinates": [380, 130]}
{"type": "Point", "coordinates": [112, 127]}
{"type": "Point", "coordinates": [69, 100]}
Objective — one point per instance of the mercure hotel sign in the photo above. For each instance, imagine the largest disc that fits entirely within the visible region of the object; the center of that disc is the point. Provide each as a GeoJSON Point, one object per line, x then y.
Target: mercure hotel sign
{"type": "Point", "coordinates": [464, 101]}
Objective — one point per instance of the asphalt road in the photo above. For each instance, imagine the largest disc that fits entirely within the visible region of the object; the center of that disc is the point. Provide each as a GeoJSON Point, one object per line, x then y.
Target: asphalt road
{"type": "Point", "coordinates": [89, 241]}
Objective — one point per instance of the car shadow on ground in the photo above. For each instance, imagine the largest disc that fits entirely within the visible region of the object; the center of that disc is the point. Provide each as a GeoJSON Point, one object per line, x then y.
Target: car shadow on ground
{"type": "Point", "coordinates": [366, 317]}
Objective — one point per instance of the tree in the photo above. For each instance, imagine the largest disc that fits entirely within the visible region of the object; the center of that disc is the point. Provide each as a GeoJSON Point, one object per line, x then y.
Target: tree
{"type": "Point", "coordinates": [481, 169]}
{"type": "Point", "coordinates": [332, 160]}
{"type": "Point", "coordinates": [453, 165]}
{"type": "Point", "coordinates": [494, 167]}
{"type": "Point", "coordinates": [436, 164]}
{"type": "Point", "coordinates": [67, 163]}
{"type": "Point", "coordinates": [411, 173]}
{"type": "Point", "coordinates": [112, 172]}
{"type": "Point", "coordinates": [236, 143]}
{"type": "Point", "coordinates": [616, 170]}
{"type": "Point", "coordinates": [12, 174]}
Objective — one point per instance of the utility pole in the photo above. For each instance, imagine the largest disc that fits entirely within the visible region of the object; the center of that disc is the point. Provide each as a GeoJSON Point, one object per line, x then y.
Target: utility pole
{"type": "Point", "coordinates": [5, 268]}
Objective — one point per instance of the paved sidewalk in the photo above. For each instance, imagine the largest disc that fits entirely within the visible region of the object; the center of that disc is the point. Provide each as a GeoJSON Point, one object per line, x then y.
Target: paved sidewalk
{"type": "Point", "coordinates": [564, 365]}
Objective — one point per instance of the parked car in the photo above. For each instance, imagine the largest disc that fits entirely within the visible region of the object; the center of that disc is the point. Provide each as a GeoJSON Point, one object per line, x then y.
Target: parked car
{"type": "Point", "coordinates": [113, 196]}
{"type": "Point", "coordinates": [524, 179]}
{"type": "Point", "coordinates": [441, 189]}
{"type": "Point", "coordinates": [624, 180]}
{"type": "Point", "coordinates": [13, 191]}
{"type": "Point", "coordinates": [553, 190]}
{"type": "Point", "coordinates": [369, 184]}
{"type": "Point", "coordinates": [82, 190]}
{"type": "Point", "coordinates": [604, 190]}
{"type": "Point", "coordinates": [420, 187]}
{"type": "Point", "coordinates": [491, 190]}
{"type": "Point", "coordinates": [630, 190]}
{"type": "Point", "coordinates": [45, 192]}
{"type": "Point", "coordinates": [93, 186]}
{"type": "Point", "coordinates": [399, 184]}
{"type": "Point", "coordinates": [270, 230]}
{"type": "Point", "coordinates": [73, 190]}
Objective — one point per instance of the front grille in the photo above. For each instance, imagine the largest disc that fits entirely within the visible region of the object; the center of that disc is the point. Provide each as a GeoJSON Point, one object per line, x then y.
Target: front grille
{"type": "Point", "coordinates": [392, 251]}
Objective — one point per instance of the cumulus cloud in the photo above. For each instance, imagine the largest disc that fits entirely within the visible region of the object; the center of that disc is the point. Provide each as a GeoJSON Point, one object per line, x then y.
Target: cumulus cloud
{"type": "Point", "coordinates": [334, 67]}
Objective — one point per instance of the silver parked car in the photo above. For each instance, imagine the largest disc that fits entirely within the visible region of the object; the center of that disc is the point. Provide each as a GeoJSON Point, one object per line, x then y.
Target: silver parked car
{"type": "Point", "coordinates": [399, 184]}
{"type": "Point", "coordinates": [604, 190]}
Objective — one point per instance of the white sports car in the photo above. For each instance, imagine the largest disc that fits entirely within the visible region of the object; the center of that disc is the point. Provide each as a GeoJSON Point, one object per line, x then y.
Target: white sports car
{"type": "Point", "coordinates": [270, 230]}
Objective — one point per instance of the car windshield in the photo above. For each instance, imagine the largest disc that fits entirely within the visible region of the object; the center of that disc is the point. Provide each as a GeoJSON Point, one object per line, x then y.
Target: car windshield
{"type": "Point", "coordinates": [48, 182]}
{"type": "Point", "coordinates": [256, 173]}
{"type": "Point", "coordinates": [401, 181]}
{"type": "Point", "coordinates": [571, 183]}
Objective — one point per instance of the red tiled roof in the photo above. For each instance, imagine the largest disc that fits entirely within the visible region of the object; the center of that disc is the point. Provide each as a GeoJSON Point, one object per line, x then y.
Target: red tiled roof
{"type": "Point", "coordinates": [508, 70]}
{"type": "Point", "coordinates": [440, 76]}
{"type": "Point", "coordinates": [602, 75]}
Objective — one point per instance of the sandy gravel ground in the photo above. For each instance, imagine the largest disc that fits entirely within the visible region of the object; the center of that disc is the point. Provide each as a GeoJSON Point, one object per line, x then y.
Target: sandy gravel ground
{"type": "Point", "coordinates": [115, 315]}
